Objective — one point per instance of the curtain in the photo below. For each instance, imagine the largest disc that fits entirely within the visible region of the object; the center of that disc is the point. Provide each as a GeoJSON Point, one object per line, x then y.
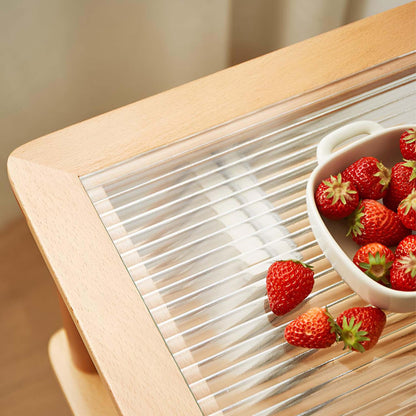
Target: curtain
{"type": "Point", "coordinates": [63, 61]}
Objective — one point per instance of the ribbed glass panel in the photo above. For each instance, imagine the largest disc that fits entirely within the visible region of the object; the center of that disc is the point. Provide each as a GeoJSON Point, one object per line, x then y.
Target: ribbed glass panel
{"type": "Point", "coordinates": [197, 231]}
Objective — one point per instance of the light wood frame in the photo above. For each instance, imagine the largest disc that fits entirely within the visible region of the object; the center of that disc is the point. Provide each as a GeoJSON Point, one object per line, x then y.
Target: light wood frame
{"type": "Point", "coordinates": [126, 348]}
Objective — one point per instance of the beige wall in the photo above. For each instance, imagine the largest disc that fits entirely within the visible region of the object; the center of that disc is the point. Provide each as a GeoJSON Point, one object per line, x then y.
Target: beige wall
{"type": "Point", "coordinates": [63, 61]}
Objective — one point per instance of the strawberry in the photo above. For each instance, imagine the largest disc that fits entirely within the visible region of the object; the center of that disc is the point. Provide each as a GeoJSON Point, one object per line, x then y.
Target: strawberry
{"type": "Point", "coordinates": [336, 198]}
{"type": "Point", "coordinates": [372, 222]}
{"type": "Point", "coordinates": [403, 273]}
{"type": "Point", "coordinates": [407, 245]}
{"type": "Point", "coordinates": [407, 211]}
{"type": "Point", "coordinates": [402, 182]}
{"type": "Point", "coordinates": [360, 327]}
{"type": "Point", "coordinates": [408, 144]}
{"type": "Point", "coordinates": [288, 283]}
{"type": "Point", "coordinates": [369, 176]}
{"type": "Point", "coordinates": [375, 260]}
{"type": "Point", "coordinates": [312, 329]}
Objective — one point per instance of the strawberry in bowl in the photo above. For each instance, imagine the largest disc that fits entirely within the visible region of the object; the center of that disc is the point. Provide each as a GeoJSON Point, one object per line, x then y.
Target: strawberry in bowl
{"type": "Point", "coordinates": [407, 245]}
{"type": "Point", "coordinates": [336, 198]}
{"type": "Point", "coordinates": [408, 144]}
{"type": "Point", "coordinates": [372, 221]}
{"type": "Point", "coordinates": [407, 211]}
{"type": "Point", "coordinates": [403, 273]}
{"type": "Point", "coordinates": [375, 260]}
{"type": "Point", "coordinates": [402, 182]}
{"type": "Point", "coordinates": [369, 176]}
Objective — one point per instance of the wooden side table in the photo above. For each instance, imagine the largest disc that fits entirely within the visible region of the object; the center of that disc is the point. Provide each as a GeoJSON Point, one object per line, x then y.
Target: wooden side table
{"type": "Point", "coordinates": [53, 178]}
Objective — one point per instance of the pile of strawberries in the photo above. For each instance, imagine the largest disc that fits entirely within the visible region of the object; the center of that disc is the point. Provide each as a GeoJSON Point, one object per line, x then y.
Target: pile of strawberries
{"type": "Point", "coordinates": [289, 282]}
{"type": "Point", "coordinates": [380, 207]}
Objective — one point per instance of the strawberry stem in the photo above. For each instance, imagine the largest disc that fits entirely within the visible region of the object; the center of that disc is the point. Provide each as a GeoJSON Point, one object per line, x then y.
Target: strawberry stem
{"type": "Point", "coordinates": [338, 190]}
{"type": "Point", "coordinates": [408, 263]}
{"type": "Point", "coordinates": [409, 202]}
{"type": "Point", "coordinates": [377, 268]}
{"type": "Point", "coordinates": [412, 165]}
{"type": "Point", "coordinates": [355, 221]}
{"type": "Point", "coordinates": [334, 326]}
{"type": "Point", "coordinates": [299, 262]}
{"type": "Point", "coordinates": [352, 336]}
{"type": "Point", "coordinates": [410, 136]}
{"type": "Point", "coordinates": [384, 174]}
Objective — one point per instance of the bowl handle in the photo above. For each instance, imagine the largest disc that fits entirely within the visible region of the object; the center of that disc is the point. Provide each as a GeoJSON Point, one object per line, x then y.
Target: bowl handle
{"type": "Point", "coordinates": [328, 143]}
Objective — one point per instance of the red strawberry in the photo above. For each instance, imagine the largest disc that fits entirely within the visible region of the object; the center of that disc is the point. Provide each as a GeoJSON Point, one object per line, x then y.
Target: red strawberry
{"type": "Point", "coordinates": [408, 144]}
{"type": "Point", "coordinates": [407, 245]}
{"type": "Point", "coordinates": [372, 222]}
{"type": "Point", "coordinates": [407, 211]}
{"type": "Point", "coordinates": [403, 181]}
{"type": "Point", "coordinates": [375, 260]}
{"type": "Point", "coordinates": [288, 283]}
{"type": "Point", "coordinates": [360, 328]}
{"type": "Point", "coordinates": [403, 273]}
{"type": "Point", "coordinates": [369, 176]}
{"type": "Point", "coordinates": [312, 329]}
{"type": "Point", "coordinates": [336, 198]}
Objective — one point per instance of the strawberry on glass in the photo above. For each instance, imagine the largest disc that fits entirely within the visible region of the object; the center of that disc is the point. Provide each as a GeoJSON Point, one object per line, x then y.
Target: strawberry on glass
{"type": "Point", "coordinates": [288, 283]}
{"type": "Point", "coordinates": [312, 329]}
{"type": "Point", "coordinates": [361, 327]}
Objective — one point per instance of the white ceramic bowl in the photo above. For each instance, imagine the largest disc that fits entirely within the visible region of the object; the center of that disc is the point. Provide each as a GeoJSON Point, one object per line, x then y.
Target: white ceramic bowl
{"type": "Point", "coordinates": [382, 144]}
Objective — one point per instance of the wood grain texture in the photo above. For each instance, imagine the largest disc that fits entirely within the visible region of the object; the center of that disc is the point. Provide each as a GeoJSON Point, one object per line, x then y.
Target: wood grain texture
{"type": "Point", "coordinates": [85, 391]}
{"type": "Point", "coordinates": [79, 355]}
{"type": "Point", "coordinates": [127, 350]}
{"type": "Point", "coordinates": [126, 347]}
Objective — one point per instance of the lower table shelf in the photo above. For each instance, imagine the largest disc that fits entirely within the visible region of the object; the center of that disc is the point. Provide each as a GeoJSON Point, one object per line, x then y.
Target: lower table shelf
{"type": "Point", "coordinates": [85, 392]}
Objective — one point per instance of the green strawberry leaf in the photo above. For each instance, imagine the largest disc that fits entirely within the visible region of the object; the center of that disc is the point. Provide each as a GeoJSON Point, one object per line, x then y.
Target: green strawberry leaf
{"type": "Point", "coordinates": [338, 190]}
{"type": "Point", "coordinates": [411, 164]}
{"type": "Point", "coordinates": [409, 202]}
{"type": "Point", "coordinates": [355, 221]}
{"type": "Point", "coordinates": [334, 326]}
{"type": "Point", "coordinates": [411, 136]}
{"type": "Point", "coordinates": [377, 268]}
{"type": "Point", "coordinates": [352, 336]}
{"type": "Point", "coordinates": [384, 174]}
{"type": "Point", "coordinates": [409, 264]}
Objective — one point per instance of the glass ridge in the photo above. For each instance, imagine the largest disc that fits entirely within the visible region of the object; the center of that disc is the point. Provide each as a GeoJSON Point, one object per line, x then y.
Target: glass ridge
{"type": "Point", "coordinates": [197, 234]}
